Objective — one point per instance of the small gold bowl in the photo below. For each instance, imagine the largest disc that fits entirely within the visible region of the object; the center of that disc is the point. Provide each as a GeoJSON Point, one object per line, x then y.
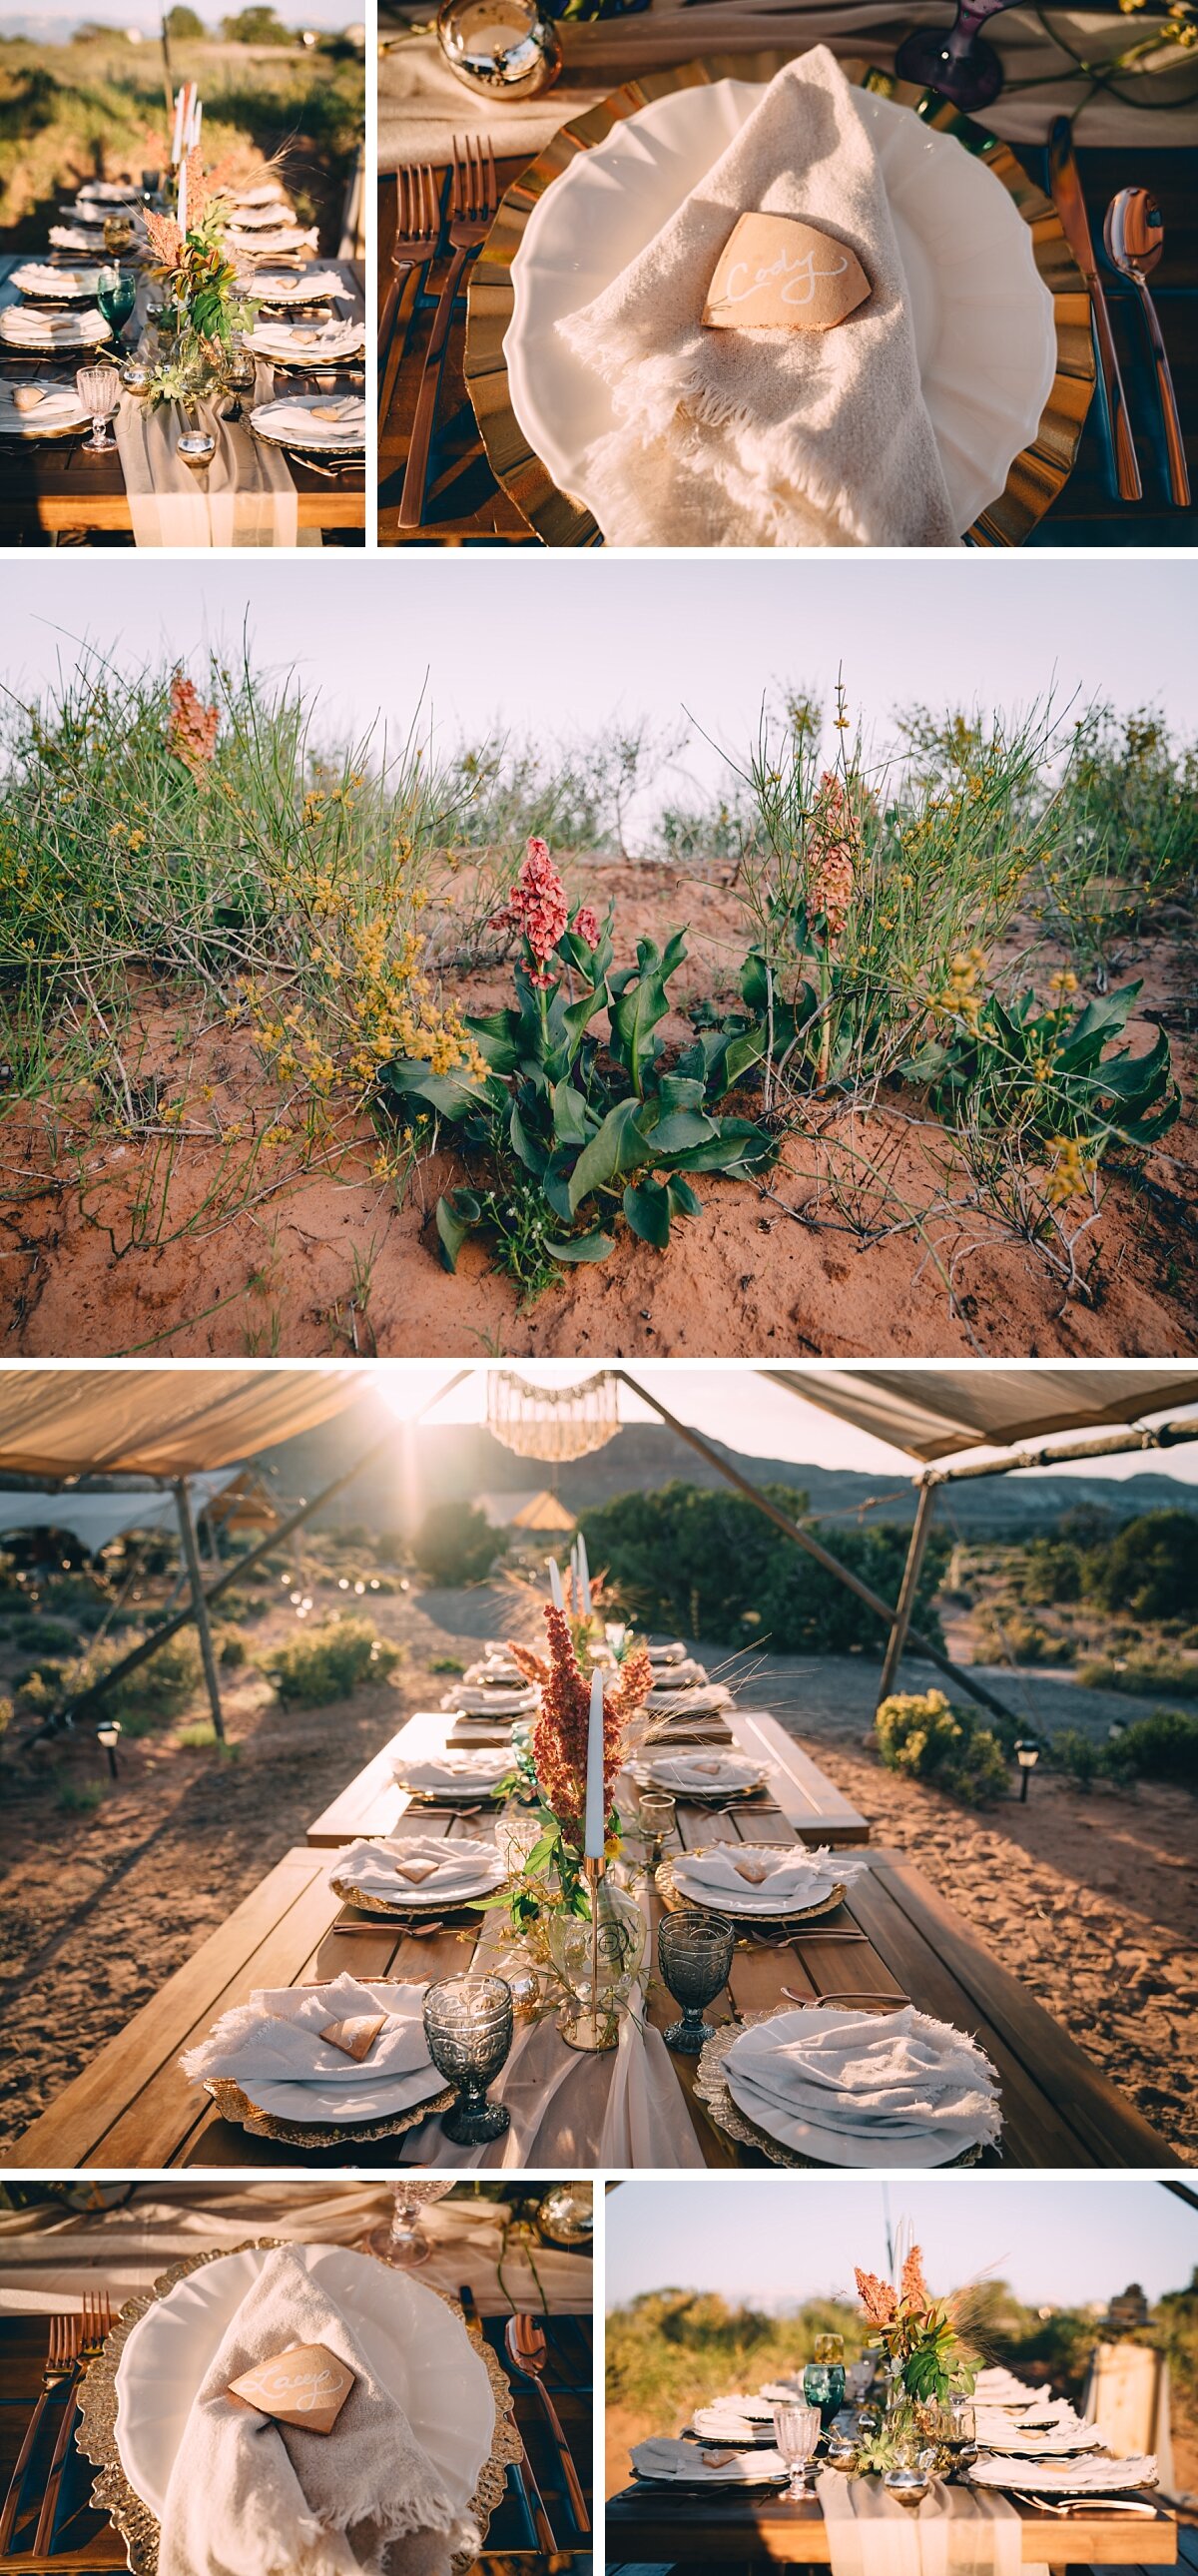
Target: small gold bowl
{"type": "Point", "coordinates": [504, 48]}
{"type": "Point", "coordinates": [197, 447]}
{"type": "Point", "coordinates": [135, 376]}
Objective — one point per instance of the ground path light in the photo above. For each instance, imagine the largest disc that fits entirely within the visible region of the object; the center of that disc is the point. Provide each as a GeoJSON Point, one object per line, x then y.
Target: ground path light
{"type": "Point", "coordinates": [1027, 1754]}
{"type": "Point", "coordinates": [108, 1735]}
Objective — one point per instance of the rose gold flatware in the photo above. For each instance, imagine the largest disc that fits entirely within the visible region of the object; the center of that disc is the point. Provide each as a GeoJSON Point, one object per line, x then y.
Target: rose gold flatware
{"type": "Point", "coordinates": [530, 2493]}
{"type": "Point", "coordinates": [1134, 233]}
{"type": "Point", "coordinates": [65, 2336]}
{"type": "Point", "coordinates": [1066, 190]}
{"type": "Point", "coordinates": [529, 2349]}
{"type": "Point", "coordinates": [94, 2324]}
{"type": "Point", "coordinates": [417, 232]}
{"type": "Point", "coordinates": [474, 198]}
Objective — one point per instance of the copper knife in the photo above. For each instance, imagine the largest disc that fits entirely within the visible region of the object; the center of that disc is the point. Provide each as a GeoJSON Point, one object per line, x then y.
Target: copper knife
{"type": "Point", "coordinates": [1070, 204]}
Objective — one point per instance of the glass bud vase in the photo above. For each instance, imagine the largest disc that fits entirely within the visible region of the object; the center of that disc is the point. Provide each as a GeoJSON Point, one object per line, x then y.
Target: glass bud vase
{"type": "Point", "coordinates": [597, 1964]}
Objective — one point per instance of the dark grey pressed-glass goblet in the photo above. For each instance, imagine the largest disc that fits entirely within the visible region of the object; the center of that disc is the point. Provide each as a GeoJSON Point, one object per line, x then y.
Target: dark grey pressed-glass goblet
{"type": "Point", "coordinates": [694, 1954]}
{"type": "Point", "coordinates": [468, 2026]}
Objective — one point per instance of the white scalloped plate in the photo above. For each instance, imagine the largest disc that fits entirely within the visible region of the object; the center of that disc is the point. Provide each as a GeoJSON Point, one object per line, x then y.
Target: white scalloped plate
{"type": "Point", "coordinates": [983, 320]}
{"type": "Point", "coordinates": [415, 2344]}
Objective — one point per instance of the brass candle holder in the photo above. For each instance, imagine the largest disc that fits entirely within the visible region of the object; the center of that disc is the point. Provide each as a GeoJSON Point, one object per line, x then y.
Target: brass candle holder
{"type": "Point", "coordinates": [597, 2027]}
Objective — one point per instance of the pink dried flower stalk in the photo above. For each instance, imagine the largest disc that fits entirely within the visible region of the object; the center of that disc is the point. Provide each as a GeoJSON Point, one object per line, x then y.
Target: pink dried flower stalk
{"type": "Point", "coordinates": [537, 906]}
{"type": "Point", "coordinates": [586, 923]}
{"type": "Point", "coordinates": [914, 2291]}
{"type": "Point", "coordinates": [559, 1735]}
{"type": "Point", "coordinates": [191, 731]}
{"type": "Point", "coordinates": [877, 2298]}
{"type": "Point", "coordinates": [832, 855]}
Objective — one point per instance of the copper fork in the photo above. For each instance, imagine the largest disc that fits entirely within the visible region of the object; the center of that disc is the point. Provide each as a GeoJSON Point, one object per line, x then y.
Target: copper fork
{"type": "Point", "coordinates": [94, 2324]}
{"type": "Point", "coordinates": [473, 199]}
{"type": "Point", "coordinates": [65, 2335]}
{"type": "Point", "coordinates": [528, 2348]}
{"type": "Point", "coordinates": [417, 233]}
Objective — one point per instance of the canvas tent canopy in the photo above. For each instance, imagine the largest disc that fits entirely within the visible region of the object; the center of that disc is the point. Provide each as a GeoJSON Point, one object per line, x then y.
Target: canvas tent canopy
{"type": "Point", "coordinates": [68, 1423]}
{"type": "Point", "coordinates": [937, 1413]}
{"type": "Point", "coordinates": [527, 1511]}
{"type": "Point", "coordinates": [96, 1519]}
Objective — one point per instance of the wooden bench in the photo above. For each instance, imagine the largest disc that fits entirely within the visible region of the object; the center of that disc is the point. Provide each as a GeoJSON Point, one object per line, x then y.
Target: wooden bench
{"type": "Point", "coordinates": [133, 2107]}
{"type": "Point", "coordinates": [811, 1804]}
{"type": "Point", "coordinates": [651, 2533]}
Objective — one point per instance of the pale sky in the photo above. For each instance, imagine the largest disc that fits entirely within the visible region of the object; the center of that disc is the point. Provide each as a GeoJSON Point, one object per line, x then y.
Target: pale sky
{"type": "Point", "coordinates": [730, 1400]}
{"type": "Point", "coordinates": [562, 645]}
{"type": "Point", "coordinates": [774, 2240]}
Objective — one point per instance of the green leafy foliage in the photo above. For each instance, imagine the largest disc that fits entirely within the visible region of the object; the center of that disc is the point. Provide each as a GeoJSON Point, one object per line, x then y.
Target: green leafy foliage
{"type": "Point", "coordinates": [566, 1137]}
{"type": "Point", "coordinates": [456, 1544]}
{"type": "Point", "coordinates": [921, 1734]}
{"type": "Point", "coordinates": [331, 1661]}
{"type": "Point", "coordinates": [697, 1560]}
{"type": "Point", "coordinates": [1049, 1072]}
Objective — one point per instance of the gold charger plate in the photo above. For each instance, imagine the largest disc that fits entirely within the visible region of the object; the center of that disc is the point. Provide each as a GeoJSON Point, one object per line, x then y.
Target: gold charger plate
{"type": "Point", "coordinates": [1039, 472]}
{"type": "Point", "coordinates": [713, 2092]}
{"type": "Point", "coordinates": [674, 1898]}
{"type": "Point", "coordinates": [96, 2397]}
{"type": "Point", "coordinates": [236, 2106]}
{"type": "Point", "coordinates": [397, 1909]}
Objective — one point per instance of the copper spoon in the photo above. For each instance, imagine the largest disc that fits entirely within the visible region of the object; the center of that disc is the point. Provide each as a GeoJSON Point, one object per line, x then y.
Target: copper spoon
{"type": "Point", "coordinates": [1134, 234]}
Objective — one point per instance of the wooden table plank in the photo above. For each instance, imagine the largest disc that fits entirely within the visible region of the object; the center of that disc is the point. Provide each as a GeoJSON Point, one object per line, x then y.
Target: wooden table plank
{"type": "Point", "coordinates": [58, 491]}
{"type": "Point", "coordinates": [466, 507]}
{"type": "Point", "coordinates": [645, 2523]}
{"type": "Point", "coordinates": [85, 2539]}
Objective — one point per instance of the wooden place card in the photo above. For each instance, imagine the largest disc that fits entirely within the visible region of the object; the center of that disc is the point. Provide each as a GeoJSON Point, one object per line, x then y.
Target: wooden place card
{"type": "Point", "coordinates": [707, 1770]}
{"type": "Point", "coordinates": [754, 1871]}
{"type": "Point", "coordinates": [355, 2037]}
{"type": "Point", "coordinates": [777, 274]}
{"type": "Point", "coordinates": [416, 1871]}
{"type": "Point", "coordinates": [718, 2459]}
{"type": "Point", "coordinates": [305, 2385]}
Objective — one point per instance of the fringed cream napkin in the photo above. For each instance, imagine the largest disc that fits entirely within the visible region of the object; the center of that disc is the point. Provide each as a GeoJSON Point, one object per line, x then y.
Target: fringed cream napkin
{"type": "Point", "coordinates": [249, 2496]}
{"type": "Point", "coordinates": [778, 437]}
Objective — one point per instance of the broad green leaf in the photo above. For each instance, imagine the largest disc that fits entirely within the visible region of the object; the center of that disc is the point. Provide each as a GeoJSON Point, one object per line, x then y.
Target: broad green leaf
{"type": "Point", "coordinates": [457, 1212]}
{"type": "Point", "coordinates": [555, 1182]}
{"type": "Point", "coordinates": [531, 1154]}
{"type": "Point", "coordinates": [737, 1146]}
{"type": "Point", "coordinates": [451, 1094]}
{"type": "Point", "coordinates": [647, 1208]}
{"type": "Point", "coordinates": [683, 1200]}
{"type": "Point", "coordinates": [583, 1247]}
{"type": "Point", "coordinates": [618, 1146]}
{"type": "Point", "coordinates": [640, 1001]}
{"type": "Point", "coordinates": [496, 1037]}
{"type": "Point", "coordinates": [569, 1115]}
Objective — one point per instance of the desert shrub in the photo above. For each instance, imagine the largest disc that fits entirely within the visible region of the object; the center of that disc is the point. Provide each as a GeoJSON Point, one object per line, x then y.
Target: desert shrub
{"type": "Point", "coordinates": [331, 1661]}
{"type": "Point", "coordinates": [1161, 1747]}
{"type": "Point", "coordinates": [672, 2349]}
{"type": "Point", "coordinates": [43, 1636]}
{"type": "Point", "coordinates": [1151, 1567]}
{"type": "Point", "coordinates": [1050, 1569]}
{"type": "Point", "coordinates": [710, 1564]}
{"type": "Point", "coordinates": [1078, 1754]}
{"type": "Point", "coordinates": [447, 1664]}
{"type": "Point", "coordinates": [920, 1733]}
{"type": "Point", "coordinates": [456, 1544]}
{"type": "Point", "coordinates": [1007, 1630]}
{"type": "Point", "coordinates": [232, 1653]}
{"type": "Point", "coordinates": [80, 1797]}
{"type": "Point", "coordinates": [1140, 1674]}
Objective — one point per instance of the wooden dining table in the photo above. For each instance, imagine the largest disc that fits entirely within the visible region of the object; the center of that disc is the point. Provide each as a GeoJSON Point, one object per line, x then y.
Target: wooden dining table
{"type": "Point", "coordinates": [465, 506]}
{"type": "Point", "coordinates": [53, 491]}
{"type": "Point", "coordinates": [893, 1935]}
{"type": "Point", "coordinates": [84, 2539]}
{"type": "Point", "coordinates": [649, 2526]}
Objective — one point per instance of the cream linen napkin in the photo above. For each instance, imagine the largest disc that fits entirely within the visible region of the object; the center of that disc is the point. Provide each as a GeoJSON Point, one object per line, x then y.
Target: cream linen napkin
{"type": "Point", "coordinates": [781, 438]}
{"type": "Point", "coordinates": [469, 1699]}
{"type": "Point", "coordinates": [287, 289]}
{"type": "Point", "coordinates": [665, 2460]}
{"type": "Point", "coordinates": [275, 2037]}
{"type": "Point", "coordinates": [795, 1877]}
{"type": "Point", "coordinates": [59, 404]}
{"type": "Point", "coordinates": [250, 2497]}
{"type": "Point", "coordinates": [298, 420]}
{"type": "Point", "coordinates": [313, 343]}
{"type": "Point", "coordinates": [450, 1868]}
{"type": "Point", "coordinates": [246, 497]}
{"type": "Point", "coordinates": [696, 1698]}
{"type": "Point", "coordinates": [864, 2088]}
{"type": "Point", "coordinates": [461, 1768]}
{"type": "Point", "coordinates": [86, 332]}
{"type": "Point", "coordinates": [954, 2532]}
{"type": "Point", "coordinates": [679, 1674]}
{"type": "Point", "coordinates": [36, 277]}
{"type": "Point", "coordinates": [707, 1774]}
{"type": "Point", "coordinates": [674, 1653]}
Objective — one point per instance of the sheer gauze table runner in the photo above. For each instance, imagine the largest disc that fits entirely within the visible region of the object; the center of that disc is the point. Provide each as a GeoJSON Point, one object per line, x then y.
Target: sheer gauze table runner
{"type": "Point", "coordinates": [48, 2257]}
{"type": "Point", "coordinates": [246, 497]}
{"type": "Point", "coordinates": [422, 106]}
{"type": "Point", "coordinates": [956, 2531]}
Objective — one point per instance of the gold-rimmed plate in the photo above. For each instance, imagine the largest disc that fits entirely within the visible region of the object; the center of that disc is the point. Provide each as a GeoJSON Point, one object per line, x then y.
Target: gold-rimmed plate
{"type": "Point", "coordinates": [675, 1898]}
{"type": "Point", "coordinates": [236, 2107]}
{"type": "Point", "coordinates": [396, 1909]}
{"type": "Point", "coordinates": [712, 2090]}
{"type": "Point", "coordinates": [97, 2394]}
{"type": "Point", "coordinates": [1038, 472]}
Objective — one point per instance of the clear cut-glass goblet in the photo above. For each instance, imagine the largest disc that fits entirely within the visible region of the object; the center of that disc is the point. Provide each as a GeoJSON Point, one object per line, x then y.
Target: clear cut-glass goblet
{"type": "Point", "coordinates": [796, 2432]}
{"type": "Point", "coordinates": [401, 2239]}
{"type": "Point", "coordinates": [99, 390]}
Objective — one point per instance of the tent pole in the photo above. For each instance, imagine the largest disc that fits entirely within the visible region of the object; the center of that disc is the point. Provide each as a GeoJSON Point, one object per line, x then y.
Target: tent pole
{"type": "Point", "coordinates": [883, 1610]}
{"type": "Point", "coordinates": [1115, 1444]}
{"type": "Point", "coordinates": [278, 1538]}
{"type": "Point", "coordinates": [187, 1531]}
{"type": "Point", "coordinates": [908, 1589]}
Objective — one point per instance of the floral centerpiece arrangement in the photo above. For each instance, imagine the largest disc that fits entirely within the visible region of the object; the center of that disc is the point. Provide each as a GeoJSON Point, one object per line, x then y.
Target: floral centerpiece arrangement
{"type": "Point", "coordinates": [925, 2366]}
{"type": "Point", "coordinates": [553, 1873]}
{"type": "Point", "coordinates": [203, 310]}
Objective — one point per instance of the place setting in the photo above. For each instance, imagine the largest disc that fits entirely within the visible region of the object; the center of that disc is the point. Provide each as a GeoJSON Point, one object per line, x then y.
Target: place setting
{"type": "Point", "coordinates": [417, 1874]}
{"type": "Point", "coordinates": [462, 1774]}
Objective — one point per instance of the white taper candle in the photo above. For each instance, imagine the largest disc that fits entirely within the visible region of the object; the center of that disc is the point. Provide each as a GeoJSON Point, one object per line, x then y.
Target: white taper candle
{"type": "Point", "coordinates": [177, 137]}
{"type": "Point", "coordinates": [555, 1585]}
{"type": "Point", "coordinates": [584, 1576]}
{"type": "Point", "coordinates": [595, 1809]}
{"type": "Point", "coordinates": [182, 213]}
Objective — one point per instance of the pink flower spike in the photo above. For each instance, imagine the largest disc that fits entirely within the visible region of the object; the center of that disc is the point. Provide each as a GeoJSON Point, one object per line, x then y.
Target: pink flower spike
{"type": "Point", "coordinates": [586, 923]}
